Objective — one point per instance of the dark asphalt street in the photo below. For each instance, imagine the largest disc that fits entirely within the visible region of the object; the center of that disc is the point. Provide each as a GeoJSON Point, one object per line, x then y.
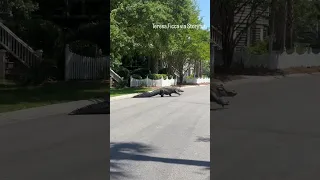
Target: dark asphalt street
{"type": "Point", "coordinates": [271, 131]}
{"type": "Point", "coordinates": [58, 147]}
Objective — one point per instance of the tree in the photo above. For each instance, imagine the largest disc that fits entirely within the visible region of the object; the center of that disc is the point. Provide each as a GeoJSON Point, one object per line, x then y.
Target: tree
{"type": "Point", "coordinates": [233, 18]}
{"type": "Point", "coordinates": [305, 21]}
{"type": "Point", "coordinates": [134, 34]}
{"type": "Point", "coordinates": [22, 9]}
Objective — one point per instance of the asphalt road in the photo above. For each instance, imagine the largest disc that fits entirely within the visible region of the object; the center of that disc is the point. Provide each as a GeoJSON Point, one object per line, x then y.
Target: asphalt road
{"type": "Point", "coordinates": [58, 147]}
{"type": "Point", "coordinates": [161, 138]}
{"type": "Point", "coordinates": [271, 131]}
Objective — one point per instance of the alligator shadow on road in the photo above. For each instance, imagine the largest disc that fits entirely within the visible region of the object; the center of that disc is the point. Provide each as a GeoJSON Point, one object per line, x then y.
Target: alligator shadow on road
{"type": "Point", "coordinates": [97, 107]}
{"type": "Point", "coordinates": [218, 108]}
{"type": "Point", "coordinates": [133, 151]}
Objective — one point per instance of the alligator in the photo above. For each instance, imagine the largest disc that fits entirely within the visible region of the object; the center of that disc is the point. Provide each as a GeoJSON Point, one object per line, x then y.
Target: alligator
{"type": "Point", "coordinates": [219, 91]}
{"type": "Point", "coordinates": [161, 91]}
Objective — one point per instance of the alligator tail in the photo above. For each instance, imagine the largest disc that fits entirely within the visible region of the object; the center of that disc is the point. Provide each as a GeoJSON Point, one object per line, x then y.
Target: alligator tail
{"type": "Point", "coordinates": [147, 94]}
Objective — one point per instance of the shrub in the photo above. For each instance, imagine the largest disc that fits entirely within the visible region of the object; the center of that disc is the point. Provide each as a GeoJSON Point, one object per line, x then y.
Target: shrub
{"type": "Point", "coordinates": [136, 76]}
{"type": "Point", "coordinates": [155, 76]}
{"type": "Point", "coordinates": [163, 71]}
{"type": "Point", "coordinates": [143, 72]}
{"type": "Point", "coordinates": [164, 76]}
{"type": "Point", "coordinates": [85, 48]}
{"type": "Point", "coordinates": [40, 34]}
{"type": "Point", "coordinates": [259, 48]}
{"type": "Point", "coordinates": [191, 76]}
{"type": "Point", "coordinates": [170, 77]}
{"type": "Point", "coordinates": [121, 84]}
{"type": "Point", "coordinates": [124, 72]}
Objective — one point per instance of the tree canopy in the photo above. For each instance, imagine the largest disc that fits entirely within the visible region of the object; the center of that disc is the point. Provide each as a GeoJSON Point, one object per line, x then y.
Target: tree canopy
{"type": "Point", "coordinates": [135, 29]}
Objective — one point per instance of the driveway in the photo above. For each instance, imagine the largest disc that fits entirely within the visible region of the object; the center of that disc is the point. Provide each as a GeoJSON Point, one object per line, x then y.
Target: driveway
{"type": "Point", "coordinates": [271, 131]}
{"type": "Point", "coordinates": [161, 138]}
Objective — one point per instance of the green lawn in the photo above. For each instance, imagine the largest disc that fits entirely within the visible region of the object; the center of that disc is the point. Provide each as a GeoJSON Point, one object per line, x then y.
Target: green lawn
{"type": "Point", "coordinates": [14, 98]}
{"type": "Point", "coordinates": [118, 92]}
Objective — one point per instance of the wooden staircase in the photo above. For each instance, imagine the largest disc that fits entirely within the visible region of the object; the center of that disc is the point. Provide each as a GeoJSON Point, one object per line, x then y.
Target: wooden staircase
{"type": "Point", "coordinates": [18, 48]}
{"type": "Point", "coordinates": [216, 37]}
{"type": "Point", "coordinates": [20, 57]}
{"type": "Point", "coordinates": [115, 76]}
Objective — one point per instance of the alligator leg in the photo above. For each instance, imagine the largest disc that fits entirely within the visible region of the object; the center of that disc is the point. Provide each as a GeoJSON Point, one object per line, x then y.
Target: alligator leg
{"type": "Point", "coordinates": [222, 91]}
{"type": "Point", "coordinates": [161, 93]}
{"type": "Point", "coordinates": [218, 100]}
{"type": "Point", "coordinates": [177, 93]}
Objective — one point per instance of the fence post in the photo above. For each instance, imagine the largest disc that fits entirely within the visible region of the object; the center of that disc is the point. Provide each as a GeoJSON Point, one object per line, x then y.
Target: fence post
{"type": "Point", "coordinates": [39, 53]}
{"type": "Point", "coordinates": [3, 65]}
{"type": "Point", "coordinates": [161, 81]}
{"type": "Point", "coordinates": [66, 58]}
{"type": "Point", "coordinates": [147, 83]}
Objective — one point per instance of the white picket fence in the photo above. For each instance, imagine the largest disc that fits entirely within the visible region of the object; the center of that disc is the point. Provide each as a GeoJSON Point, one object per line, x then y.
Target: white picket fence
{"type": "Point", "coordinates": [152, 83]}
{"type": "Point", "coordinates": [84, 68]}
{"type": "Point", "coordinates": [197, 80]}
{"type": "Point", "coordinates": [276, 60]}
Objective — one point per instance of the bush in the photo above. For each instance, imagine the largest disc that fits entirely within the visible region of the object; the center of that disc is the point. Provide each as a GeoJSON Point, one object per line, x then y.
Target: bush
{"type": "Point", "coordinates": [41, 34]}
{"type": "Point", "coordinates": [170, 77]}
{"type": "Point", "coordinates": [191, 76]}
{"type": "Point", "coordinates": [164, 76]}
{"type": "Point", "coordinates": [143, 72]}
{"type": "Point", "coordinates": [123, 72]}
{"type": "Point", "coordinates": [163, 71]}
{"type": "Point", "coordinates": [85, 48]}
{"type": "Point", "coordinates": [136, 76]}
{"type": "Point", "coordinates": [121, 84]}
{"type": "Point", "coordinates": [259, 48]}
{"type": "Point", "coordinates": [155, 76]}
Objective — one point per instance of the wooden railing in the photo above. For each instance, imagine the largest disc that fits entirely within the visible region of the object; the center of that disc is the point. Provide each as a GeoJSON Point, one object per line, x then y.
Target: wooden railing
{"type": "Point", "coordinates": [216, 37]}
{"type": "Point", "coordinates": [115, 76]}
{"type": "Point", "coordinates": [18, 48]}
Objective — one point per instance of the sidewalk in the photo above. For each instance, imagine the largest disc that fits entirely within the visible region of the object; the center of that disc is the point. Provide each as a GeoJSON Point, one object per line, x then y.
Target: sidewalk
{"type": "Point", "coordinates": [133, 94]}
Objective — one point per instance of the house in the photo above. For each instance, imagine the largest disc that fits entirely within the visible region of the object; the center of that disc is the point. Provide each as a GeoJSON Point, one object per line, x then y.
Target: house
{"type": "Point", "coordinates": [256, 32]}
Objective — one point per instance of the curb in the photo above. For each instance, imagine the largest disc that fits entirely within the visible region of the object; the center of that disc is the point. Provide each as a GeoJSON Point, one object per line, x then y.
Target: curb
{"type": "Point", "coordinates": [127, 96]}
{"type": "Point", "coordinates": [253, 79]}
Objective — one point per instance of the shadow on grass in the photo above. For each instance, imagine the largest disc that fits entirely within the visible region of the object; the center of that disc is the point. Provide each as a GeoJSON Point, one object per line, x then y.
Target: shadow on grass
{"type": "Point", "coordinates": [133, 151]}
{"type": "Point", "coordinates": [13, 97]}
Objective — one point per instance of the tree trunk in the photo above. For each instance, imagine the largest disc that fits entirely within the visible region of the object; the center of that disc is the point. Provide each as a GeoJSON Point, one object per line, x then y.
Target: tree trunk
{"type": "Point", "coordinates": [289, 24]}
{"type": "Point", "coordinates": [227, 54]}
{"type": "Point", "coordinates": [271, 27]}
{"type": "Point", "coordinates": [200, 68]}
{"type": "Point", "coordinates": [212, 54]}
{"type": "Point", "coordinates": [181, 75]}
{"type": "Point", "coordinates": [154, 64]}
